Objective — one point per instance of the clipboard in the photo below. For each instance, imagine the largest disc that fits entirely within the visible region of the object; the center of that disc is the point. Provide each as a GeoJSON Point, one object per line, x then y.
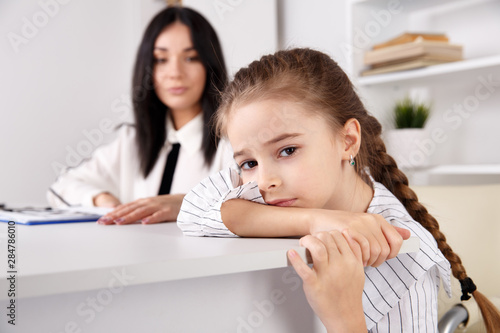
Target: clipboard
{"type": "Point", "coordinates": [37, 216]}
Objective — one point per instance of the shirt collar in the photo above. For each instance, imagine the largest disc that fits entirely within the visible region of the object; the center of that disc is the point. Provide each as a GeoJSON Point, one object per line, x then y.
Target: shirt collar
{"type": "Point", "coordinates": [189, 136]}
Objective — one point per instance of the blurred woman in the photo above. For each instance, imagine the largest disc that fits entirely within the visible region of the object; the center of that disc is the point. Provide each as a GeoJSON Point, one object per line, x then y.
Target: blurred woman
{"type": "Point", "coordinates": [178, 76]}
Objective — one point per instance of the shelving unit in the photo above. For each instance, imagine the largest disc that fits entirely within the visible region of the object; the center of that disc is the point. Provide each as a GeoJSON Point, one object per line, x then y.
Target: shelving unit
{"type": "Point", "coordinates": [465, 95]}
{"type": "Point", "coordinates": [471, 174]}
{"type": "Point", "coordinates": [432, 71]}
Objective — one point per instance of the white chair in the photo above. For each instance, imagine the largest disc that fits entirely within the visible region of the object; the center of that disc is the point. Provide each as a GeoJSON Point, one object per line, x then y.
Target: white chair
{"type": "Point", "coordinates": [469, 217]}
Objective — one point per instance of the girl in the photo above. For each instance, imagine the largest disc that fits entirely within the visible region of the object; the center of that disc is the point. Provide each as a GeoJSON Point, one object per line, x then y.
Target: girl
{"type": "Point", "coordinates": [306, 147]}
{"type": "Point", "coordinates": [179, 71]}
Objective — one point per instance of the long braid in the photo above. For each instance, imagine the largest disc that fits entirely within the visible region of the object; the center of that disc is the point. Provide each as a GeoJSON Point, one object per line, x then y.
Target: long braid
{"type": "Point", "coordinates": [384, 169]}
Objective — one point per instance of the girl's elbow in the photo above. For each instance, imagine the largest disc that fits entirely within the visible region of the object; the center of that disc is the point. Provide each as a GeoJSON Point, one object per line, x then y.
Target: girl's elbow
{"type": "Point", "coordinates": [232, 224]}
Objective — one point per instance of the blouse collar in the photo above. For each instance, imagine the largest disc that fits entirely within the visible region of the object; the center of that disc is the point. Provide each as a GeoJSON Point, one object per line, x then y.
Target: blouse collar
{"type": "Point", "coordinates": [189, 136]}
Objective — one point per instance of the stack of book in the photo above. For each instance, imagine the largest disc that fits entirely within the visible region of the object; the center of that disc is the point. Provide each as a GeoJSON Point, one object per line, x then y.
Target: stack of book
{"type": "Point", "coordinates": [410, 51]}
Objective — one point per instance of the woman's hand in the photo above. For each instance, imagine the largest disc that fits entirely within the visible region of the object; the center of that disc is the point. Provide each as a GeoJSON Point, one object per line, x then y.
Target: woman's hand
{"type": "Point", "coordinates": [106, 199]}
{"type": "Point", "coordinates": [334, 285]}
{"type": "Point", "coordinates": [378, 239]}
{"type": "Point", "coordinates": [162, 208]}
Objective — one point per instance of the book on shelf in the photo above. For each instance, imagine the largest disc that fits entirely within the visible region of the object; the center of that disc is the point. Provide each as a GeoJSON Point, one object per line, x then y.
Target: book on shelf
{"type": "Point", "coordinates": [407, 64]}
{"type": "Point", "coordinates": [409, 37]}
{"type": "Point", "coordinates": [419, 47]}
{"type": "Point", "coordinates": [437, 58]}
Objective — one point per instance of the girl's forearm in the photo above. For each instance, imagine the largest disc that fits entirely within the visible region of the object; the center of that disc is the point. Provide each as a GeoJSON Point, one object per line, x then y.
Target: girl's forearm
{"type": "Point", "coordinates": [353, 322]}
{"type": "Point", "coordinates": [249, 219]}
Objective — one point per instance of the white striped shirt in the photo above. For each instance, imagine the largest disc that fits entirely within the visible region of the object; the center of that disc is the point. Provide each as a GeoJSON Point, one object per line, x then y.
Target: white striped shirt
{"type": "Point", "coordinates": [399, 296]}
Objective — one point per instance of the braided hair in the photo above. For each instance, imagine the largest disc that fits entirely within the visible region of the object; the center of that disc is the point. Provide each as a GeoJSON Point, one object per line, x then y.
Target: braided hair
{"type": "Point", "coordinates": [313, 79]}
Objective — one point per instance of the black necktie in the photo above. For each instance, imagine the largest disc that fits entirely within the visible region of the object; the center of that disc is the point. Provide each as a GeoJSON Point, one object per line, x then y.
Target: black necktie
{"type": "Point", "coordinates": [168, 173]}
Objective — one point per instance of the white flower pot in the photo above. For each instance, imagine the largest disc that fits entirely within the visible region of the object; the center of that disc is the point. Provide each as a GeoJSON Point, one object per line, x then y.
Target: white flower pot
{"type": "Point", "coordinates": [406, 146]}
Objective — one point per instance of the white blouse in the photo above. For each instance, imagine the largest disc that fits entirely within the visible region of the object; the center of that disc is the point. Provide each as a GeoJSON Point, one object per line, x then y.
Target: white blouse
{"type": "Point", "coordinates": [400, 295]}
{"type": "Point", "coordinates": [115, 168]}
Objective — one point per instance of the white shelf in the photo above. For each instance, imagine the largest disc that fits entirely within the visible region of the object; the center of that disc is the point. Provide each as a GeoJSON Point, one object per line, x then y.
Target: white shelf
{"type": "Point", "coordinates": [477, 174]}
{"type": "Point", "coordinates": [428, 72]}
{"type": "Point", "coordinates": [442, 5]}
{"type": "Point", "coordinates": [477, 169]}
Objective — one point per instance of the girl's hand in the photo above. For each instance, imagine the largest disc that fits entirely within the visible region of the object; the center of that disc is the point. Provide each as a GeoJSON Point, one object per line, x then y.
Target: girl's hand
{"type": "Point", "coordinates": [162, 208]}
{"type": "Point", "coordinates": [334, 285]}
{"type": "Point", "coordinates": [106, 199]}
{"type": "Point", "coordinates": [378, 239]}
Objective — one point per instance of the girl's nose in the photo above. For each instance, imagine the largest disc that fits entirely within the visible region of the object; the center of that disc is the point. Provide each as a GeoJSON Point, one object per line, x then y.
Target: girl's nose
{"type": "Point", "coordinates": [268, 179]}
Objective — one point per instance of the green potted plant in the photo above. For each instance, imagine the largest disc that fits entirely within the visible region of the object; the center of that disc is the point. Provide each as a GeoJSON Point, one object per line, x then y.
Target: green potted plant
{"type": "Point", "coordinates": [410, 114]}
{"type": "Point", "coordinates": [406, 142]}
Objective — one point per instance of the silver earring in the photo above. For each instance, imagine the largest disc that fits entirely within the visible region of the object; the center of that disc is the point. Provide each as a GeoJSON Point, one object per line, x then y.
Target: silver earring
{"type": "Point", "coordinates": [352, 162]}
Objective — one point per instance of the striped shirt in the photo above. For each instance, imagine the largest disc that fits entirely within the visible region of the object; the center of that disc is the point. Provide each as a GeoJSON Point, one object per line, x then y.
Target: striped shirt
{"type": "Point", "coordinates": [399, 296]}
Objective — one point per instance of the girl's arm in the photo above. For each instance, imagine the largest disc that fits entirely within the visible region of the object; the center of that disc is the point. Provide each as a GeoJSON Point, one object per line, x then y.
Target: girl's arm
{"type": "Point", "coordinates": [249, 219]}
{"type": "Point", "coordinates": [220, 206]}
{"type": "Point", "coordinates": [334, 285]}
{"type": "Point", "coordinates": [378, 239]}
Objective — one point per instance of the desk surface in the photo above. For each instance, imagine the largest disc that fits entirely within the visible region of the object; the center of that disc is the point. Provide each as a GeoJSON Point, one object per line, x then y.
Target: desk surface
{"type": "Point", "coordinates": [72, 257]}
{"type": "Point", "coordinates": [62, 258]}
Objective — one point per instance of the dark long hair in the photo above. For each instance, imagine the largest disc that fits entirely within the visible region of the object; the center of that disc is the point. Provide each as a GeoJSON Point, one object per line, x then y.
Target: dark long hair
{"type": "Point", "coordinates": [149, 112]}
{"type": "Point", "coordinates": [315, 80]}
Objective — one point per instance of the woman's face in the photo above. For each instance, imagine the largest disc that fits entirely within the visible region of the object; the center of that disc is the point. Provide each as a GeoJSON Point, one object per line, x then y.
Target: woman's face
{"type": "Point", "coordinates": [179, 75]}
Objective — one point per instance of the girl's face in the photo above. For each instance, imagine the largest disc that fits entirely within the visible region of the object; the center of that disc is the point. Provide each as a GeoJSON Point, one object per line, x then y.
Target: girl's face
{"type": "Point", "coordinates": [179, 76]}
{"type": "Point", "coordinates": [293, 156]}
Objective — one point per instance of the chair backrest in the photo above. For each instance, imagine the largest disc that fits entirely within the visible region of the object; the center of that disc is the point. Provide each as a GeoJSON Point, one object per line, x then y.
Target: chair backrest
{"type": "Point", "coordinates": [469, 217]}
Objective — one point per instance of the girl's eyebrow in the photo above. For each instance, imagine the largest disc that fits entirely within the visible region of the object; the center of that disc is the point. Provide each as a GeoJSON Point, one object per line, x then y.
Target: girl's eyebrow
{"type": "Point", "coordinates": [282, 137]}
{"type": "Point", "coordinates": [276, 139]}
{"type": "Point", "coordinates": [239, 153]}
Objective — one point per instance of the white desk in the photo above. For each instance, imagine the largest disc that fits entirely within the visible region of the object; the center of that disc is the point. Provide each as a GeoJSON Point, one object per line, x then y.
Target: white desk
{"type": "Point", "coordinates": [83, 277]}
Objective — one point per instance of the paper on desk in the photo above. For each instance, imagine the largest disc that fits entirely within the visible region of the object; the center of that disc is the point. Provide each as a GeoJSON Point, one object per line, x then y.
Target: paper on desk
{"type": "Point", "coordinates": [90, 210]}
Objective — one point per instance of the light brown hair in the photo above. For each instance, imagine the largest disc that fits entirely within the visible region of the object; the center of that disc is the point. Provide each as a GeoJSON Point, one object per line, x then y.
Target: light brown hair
{"type": "Point", "coordinates": [315, 80]}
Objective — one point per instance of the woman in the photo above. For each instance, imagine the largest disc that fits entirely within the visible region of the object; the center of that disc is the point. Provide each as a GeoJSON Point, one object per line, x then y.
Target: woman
{"type": "Point", "coordinates": [178, 75]}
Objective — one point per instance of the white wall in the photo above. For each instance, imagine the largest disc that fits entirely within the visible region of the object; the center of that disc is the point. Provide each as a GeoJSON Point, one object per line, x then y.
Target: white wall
{"type": "Point", "coordinates": [66, 68]}
{"type": "Point", "coordinates": [318, 24]}
{"type": "Point", "coordinates": [247, 29]}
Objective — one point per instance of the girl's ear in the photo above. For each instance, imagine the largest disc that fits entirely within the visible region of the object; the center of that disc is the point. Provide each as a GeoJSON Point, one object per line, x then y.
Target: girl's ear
{"type": "Point", "coordinates": [352, 138]}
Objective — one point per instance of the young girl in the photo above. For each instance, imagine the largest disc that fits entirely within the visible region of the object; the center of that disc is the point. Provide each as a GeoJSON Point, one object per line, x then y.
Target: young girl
{"type": "Point", "coordinates": [311, 160]}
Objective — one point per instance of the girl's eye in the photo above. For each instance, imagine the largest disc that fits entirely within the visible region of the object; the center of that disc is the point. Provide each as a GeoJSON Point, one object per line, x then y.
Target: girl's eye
{"type": "Point", "coordinates": [248, 165]}
{"type": "Point", "coordinates": [160, 60]}
{"type": "Point", "coordinates": [287, 151]}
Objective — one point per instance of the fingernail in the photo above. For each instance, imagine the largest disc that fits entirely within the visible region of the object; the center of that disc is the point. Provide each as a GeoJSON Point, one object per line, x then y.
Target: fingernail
{"type": "Point", "coordinates": [120, 220]}
{"type": "Point", "coordinates": [145, 221]}
{"type": "Point", "coordinates": [103, 219]}
{"type": "Point", "coordinates": [292, 253]}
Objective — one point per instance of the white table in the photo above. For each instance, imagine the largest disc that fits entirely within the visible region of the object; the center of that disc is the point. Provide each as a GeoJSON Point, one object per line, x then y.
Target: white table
{"type": "Point", "coordinates": [84, 277]}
